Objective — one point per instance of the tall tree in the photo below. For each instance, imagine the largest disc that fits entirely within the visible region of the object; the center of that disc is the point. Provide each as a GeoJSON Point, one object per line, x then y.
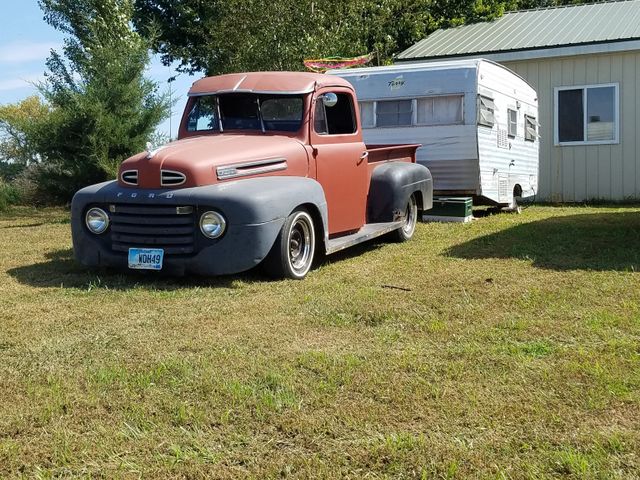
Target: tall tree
{"type": "Point", "coordinates": [103, 109]}
{"type": "Point", "coordinates": [219, 36]}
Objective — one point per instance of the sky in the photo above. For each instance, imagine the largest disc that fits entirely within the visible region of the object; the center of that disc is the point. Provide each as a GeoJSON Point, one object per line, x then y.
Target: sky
{"type": "Point", "coordinates": [25, 42]}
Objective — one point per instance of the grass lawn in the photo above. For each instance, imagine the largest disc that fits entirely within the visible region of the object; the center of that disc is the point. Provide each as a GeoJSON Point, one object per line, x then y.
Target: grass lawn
{"type": "Point", "coordinates": [505, 348]}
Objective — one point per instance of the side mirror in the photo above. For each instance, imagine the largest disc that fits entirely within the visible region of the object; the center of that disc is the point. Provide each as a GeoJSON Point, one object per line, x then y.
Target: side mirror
{"type": "Point", "coordinates": [329, 99]}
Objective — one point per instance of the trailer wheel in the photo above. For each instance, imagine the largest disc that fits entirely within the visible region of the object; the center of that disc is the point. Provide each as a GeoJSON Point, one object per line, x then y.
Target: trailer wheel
{"type": "Point", "coordinates": [514, 206]}
{"type": "Point", "coordinates": [292, 253]}
{"type": "Point", "coordinates": [405, 232]}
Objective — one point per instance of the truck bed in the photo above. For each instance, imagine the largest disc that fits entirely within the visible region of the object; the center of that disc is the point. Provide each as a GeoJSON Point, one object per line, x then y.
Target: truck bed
{"type": "Point", "coordinates": [396, 153]}
{"type": "Point", "coordinates": [390, 153]}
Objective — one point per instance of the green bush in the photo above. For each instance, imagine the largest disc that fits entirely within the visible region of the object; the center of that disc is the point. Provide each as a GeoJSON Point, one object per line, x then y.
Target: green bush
{"type": "Point", "coordinates": [9, 171]}
{"type": "Point", "coordinates": [8, 195]}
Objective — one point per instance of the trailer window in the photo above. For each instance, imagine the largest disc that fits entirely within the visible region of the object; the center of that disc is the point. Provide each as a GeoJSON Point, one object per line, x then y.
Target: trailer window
{"type": "Point", "coordinates": [486, 109]}
{"type": "Point", "coordinates": [394, 113]}
{"type": "Point", "coordinates": [440, 110]}
{"type": "Point", "coordinates": [367, 117]}
{"type": "Point", "coordinates": [530, 128]}
{"type": "Point", "coordinates": [513, 122]}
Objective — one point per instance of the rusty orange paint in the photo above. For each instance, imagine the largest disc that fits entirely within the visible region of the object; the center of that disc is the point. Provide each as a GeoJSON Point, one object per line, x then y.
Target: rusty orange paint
{"type": "Point", "coordinates": [341, 163]}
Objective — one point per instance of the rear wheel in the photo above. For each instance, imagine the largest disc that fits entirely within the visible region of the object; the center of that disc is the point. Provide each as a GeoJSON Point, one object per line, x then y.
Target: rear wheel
{"type": "Point", "coordinates": [405, 232]}
{"type": "Point", "coordinates": [292, 254]}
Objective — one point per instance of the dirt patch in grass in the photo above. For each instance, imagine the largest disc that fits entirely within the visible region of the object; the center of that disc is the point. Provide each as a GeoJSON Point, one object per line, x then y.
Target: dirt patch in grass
{"type": "Point", "coordinates": [506, 348]}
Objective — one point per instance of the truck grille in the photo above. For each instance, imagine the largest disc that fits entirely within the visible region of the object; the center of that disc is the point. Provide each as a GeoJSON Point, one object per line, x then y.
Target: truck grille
{"type": "Point", "coordinates": [143, 226]}
{"type": "Point", "coordinates": [169, 178]}
{"type": "Point", "coordinates": [130, 177]}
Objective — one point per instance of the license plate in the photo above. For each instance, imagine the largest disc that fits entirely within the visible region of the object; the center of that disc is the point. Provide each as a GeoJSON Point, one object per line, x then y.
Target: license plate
{"type": "Point", "coordinates": [146, 258]}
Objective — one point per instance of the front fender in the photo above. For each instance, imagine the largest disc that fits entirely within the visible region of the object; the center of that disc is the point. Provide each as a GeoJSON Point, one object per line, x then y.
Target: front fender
{"type": "Point", "coordinates": [255, 210]}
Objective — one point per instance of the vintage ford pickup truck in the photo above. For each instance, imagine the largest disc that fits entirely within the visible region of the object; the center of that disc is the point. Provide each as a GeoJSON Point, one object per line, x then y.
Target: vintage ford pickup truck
{"type": "Point", "coordinates": [268, 168]}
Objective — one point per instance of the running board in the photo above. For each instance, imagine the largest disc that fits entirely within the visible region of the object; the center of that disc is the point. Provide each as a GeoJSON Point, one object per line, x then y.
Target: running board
{"type": "Point", "coordinates": [368, 232]}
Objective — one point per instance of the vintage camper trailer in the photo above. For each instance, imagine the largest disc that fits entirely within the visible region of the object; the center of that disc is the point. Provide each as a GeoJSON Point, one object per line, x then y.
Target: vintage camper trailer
{"type": "Point", "coordinates": [477, 122]}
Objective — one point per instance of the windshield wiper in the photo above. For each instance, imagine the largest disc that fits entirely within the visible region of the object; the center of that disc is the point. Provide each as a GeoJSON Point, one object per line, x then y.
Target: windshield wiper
{"type": "Point", "coordinates": [260, 115]}
{"type": "Point", "coordinates": [219, 116]}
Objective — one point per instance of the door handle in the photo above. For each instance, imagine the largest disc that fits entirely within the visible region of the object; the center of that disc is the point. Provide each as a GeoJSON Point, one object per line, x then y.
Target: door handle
{"type": "Point", "coordinates": [363, 157]}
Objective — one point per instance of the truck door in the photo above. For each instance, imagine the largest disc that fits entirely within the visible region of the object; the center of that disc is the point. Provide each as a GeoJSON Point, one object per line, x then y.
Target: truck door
{"type": "Point", "coordinates": [341, 159]}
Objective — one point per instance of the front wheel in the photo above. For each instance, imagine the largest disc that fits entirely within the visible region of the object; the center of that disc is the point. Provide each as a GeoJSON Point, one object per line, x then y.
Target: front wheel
{"type": "Point", "coordinates": [405, 232]}
{"type": "Point", "coordinates": [292, 254]}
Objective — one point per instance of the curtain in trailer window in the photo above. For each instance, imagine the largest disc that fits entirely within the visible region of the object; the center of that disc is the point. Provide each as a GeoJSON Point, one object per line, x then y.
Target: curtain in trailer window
{"type": "Point", "coordinates": [443, 110]}
{"type": "Point", "coordinates": [366, 115]}
{"type": "Point", "coordinates": [530, 128]}
{"type": "Point", "coordinates": [486, 109]}
{"type": "Point", "coordinates": [394, 113]}
{"type": "Point", "coordinates": [513, 122]}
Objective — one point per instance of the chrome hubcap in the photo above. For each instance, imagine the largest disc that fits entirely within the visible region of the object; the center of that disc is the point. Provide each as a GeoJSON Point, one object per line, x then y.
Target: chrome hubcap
{"type": "Point", "coordinates": [300, 244]}
{"type": "Point", "coordinates": [411, 216]}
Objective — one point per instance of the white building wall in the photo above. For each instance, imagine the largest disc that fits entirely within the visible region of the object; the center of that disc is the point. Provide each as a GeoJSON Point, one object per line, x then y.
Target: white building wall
{"type": "Point", "coordinates": [587, 172]}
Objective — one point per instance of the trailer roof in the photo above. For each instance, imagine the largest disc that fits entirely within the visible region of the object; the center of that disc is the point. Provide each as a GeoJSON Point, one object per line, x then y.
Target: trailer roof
{"type": "Point", "coordinates": [266, 82]}
{"type": "Point", "coordinates": [404, 67]}
{"type": "Point", "coordinates": [572, 25]}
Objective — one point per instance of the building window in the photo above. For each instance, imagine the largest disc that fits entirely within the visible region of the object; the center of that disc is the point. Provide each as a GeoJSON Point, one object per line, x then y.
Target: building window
{"type": "Point", "coordinates": [513, 122]}
{"type": "Point", "coordinates": [530, 128]}
{"type": "Point", "coordinates": [394, 113]}
{"type": "Point", "coordinates": [441, 110]}
{"type": "Point", "coordinates": [586, 115]}
{"type": "Point", "coordinates": [486, 109]}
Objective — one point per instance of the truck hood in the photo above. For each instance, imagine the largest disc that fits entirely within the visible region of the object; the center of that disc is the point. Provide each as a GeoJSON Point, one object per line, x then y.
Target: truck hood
{"type": "Point", "coordinates": [205, 160]}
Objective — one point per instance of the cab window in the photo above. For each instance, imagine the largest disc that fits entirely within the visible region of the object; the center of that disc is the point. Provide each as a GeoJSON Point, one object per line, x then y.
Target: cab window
{"type": "Point", "coordinates": [338, 119]}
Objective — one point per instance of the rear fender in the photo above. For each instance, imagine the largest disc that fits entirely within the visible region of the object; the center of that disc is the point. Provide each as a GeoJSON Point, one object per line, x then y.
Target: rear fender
{"type": "Point", "coordinates": [391, 186]}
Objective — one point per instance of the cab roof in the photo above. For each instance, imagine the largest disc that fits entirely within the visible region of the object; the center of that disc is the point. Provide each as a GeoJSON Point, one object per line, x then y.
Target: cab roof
{"type": "Point", "coordinates": [266, 82]}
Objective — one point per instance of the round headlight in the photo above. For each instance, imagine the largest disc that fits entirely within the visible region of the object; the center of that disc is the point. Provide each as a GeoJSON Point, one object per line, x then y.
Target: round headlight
{"type": "Point", "coordinates": [212, 224]}
{"type": "Point", "coordinates": [97, 220]}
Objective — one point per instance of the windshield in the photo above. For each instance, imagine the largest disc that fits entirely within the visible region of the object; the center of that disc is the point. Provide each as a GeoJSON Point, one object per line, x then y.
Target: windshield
{"type": "Point", "coordinates": [246, 111]}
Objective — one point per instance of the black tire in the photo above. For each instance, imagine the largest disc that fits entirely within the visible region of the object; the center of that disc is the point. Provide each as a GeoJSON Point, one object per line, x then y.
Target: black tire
{"type": "Point", "coordinates": [405, 232]}
{"type": "Point", "coordinates": [292, 253]}
{"type": "Point", "coordinates": [514, 206]}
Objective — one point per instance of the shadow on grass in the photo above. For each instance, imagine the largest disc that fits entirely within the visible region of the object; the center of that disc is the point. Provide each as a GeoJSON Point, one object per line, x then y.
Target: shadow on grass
{"type": "Point", "coordinates": [62, 270]}
{"type": "Point", "coordinates": [600, 241]}
{"type": "Point", "coordinates": [353, 252]}
{"type": "Point", "coordinates": [30, 225]}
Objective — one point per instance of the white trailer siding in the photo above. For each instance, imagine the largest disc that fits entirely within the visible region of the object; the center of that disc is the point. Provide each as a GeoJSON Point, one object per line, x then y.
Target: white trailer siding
{"type": "Point", "coordinates": [451, 153]}
{"type": "Point", "coordinates": [464, 157]}
{"type": "Point", "coordinates": [507, 160]}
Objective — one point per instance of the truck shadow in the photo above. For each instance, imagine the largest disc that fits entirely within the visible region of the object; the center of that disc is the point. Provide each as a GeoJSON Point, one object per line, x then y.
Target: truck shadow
{"type": "Point", "coordinates": [600, 241]}
{"type": "Point", "coordinates": [62, 271]}
{"type": "Point", "coordinates": [353, 252]}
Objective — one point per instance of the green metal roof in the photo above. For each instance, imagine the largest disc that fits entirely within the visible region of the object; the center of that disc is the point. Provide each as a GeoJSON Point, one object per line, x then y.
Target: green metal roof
{"type": "Point", "coordinates": [535, 29]}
